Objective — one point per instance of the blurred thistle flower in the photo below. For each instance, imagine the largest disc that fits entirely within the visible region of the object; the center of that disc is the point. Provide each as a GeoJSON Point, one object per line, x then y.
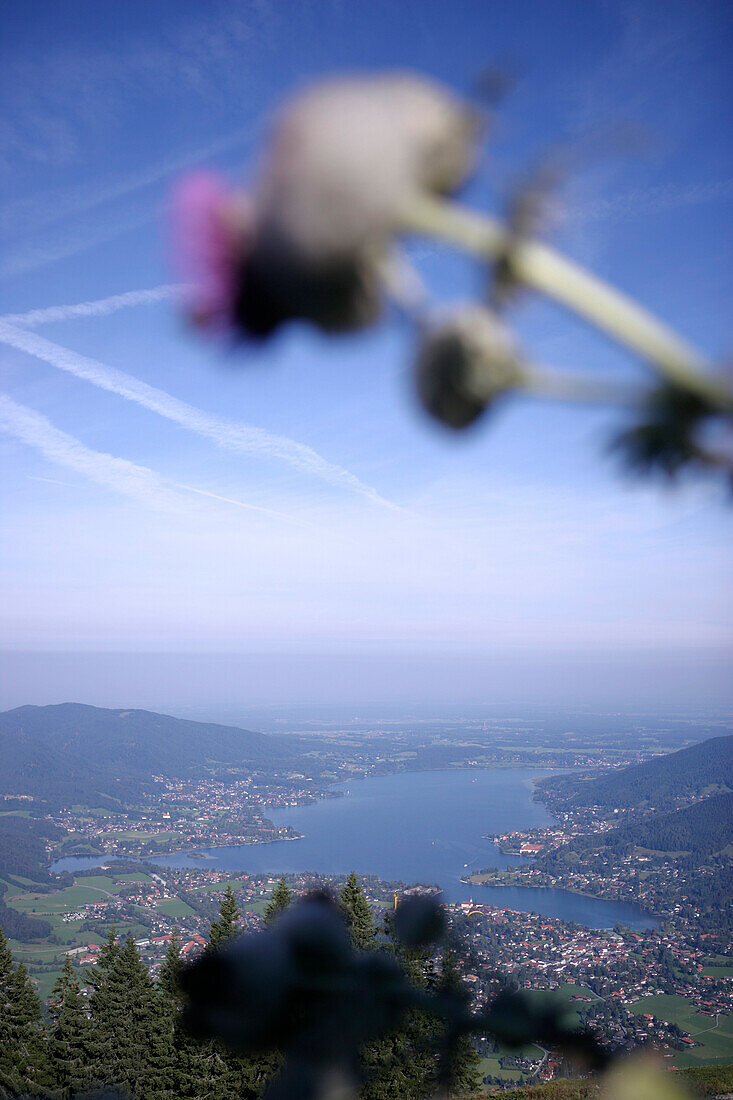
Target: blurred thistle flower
{"type": "Point", "coordinates": [355, 163]}
{"type": "Point", "coordinates": [207, 243]}
{"type": "Point", "coordinates": [347, 158]}
{"type": "Point", "coordinates": [464, 364]}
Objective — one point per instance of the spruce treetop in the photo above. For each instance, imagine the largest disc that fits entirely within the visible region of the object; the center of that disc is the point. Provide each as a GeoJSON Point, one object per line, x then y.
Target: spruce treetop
{"type": "Point", "coordinates": [281, 898]}
{"type": "Point", "coordinates": [227, 926]}
{"type": "Point", "coordinates": [358, 914]}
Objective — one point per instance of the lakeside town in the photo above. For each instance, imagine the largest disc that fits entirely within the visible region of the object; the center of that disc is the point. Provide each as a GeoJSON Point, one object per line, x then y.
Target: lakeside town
{"type": "Point", "coordinates": [631, 987]}
{"type": "Point", "coordinates": [185, 814]}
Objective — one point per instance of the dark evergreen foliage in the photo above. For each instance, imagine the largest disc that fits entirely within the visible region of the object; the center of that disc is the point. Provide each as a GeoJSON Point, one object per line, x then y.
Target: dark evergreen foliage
{"type": "Point", "coordinates": [128, 1039]}
{"type": "Point", "coordinates": [227, 925]}
{"type": "Point", "coordinates": [170, 972]}
{"type": "Point", "coordinates": [702, 829]}
{"type": "Point", "coordinates": [460, 1068]}
{"type": "Point", "coordinates": [21, 926]}
{"type": "Point", "coordinates": [210, 1069]}
{"type": "Point", "coordinates": [23, 852]}
{"type": "Point", "coordinates": [358, 914]}
{"type": "Point", "coordinates": [281, 898]}
{"type": "Point", "coordinates": [69, 1035]}
{"type": "Point", "coordinates": [23, 847]}
{"type": "Point", "coordinates": [23, 1059]}
{"type": "Point", "coordinates": [132, 1036]}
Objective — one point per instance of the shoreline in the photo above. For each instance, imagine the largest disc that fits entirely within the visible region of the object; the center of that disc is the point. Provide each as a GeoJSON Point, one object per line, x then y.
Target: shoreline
{"type": "Point", "coordinates": [566, 890]}
{"type": "Point", "coordinates": [152, 856]}
{"type": "Point", "coordinates": [332, 787]}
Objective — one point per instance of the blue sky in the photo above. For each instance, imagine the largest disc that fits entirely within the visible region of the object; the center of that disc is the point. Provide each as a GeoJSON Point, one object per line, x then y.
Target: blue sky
{"type": "Point", "coordinates": [288, 504]}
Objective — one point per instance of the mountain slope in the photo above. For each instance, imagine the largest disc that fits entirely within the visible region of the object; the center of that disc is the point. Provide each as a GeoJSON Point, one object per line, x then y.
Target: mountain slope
{"type": "Point", "coordinates": [660, 783]}
{"type": "Point", "coordinates": [75, 751]}
{"type": "Point", "coordinates": [703, 829]}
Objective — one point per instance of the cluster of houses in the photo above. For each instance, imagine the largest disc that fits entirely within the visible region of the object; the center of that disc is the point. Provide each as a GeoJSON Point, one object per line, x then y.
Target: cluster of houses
{"type": "Point", "coordinates": [152, 950]}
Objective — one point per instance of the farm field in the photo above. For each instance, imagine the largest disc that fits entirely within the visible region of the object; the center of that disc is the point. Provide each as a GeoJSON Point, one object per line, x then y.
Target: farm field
{"type": "Point", "coordinates": [719, 971]}
{"type": "Point", "coordinates": [490, 1066]}
{"type": "Point", "coordinates": [174, 907]}
{"type": "Point", "coordinates": [715, 1036]}
{"type": "Point", "coordinates": [42, 905]}
{"type": "Point", "coordinates": [44, 958]}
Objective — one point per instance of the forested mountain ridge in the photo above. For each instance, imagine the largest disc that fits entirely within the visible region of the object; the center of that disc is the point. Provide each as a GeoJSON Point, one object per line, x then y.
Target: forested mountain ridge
{"type": "Point", "coordinates": [662, 783]}
{"type": "Point", "coordinates": [703, 829]}
{"type": "Point", "coordinates": [72, 751]}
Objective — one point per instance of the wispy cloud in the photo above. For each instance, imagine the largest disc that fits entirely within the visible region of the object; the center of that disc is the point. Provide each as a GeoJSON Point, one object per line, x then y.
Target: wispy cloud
{"type": "Point", "coordinates": [139, 483]}
{"type": "Point", "coordinates": [30, 256]}
{"type": "Point", "coordinates": [52, 481]}
{"type": "Point", "coordinates": [63, 94]}
{"type": "Point", "coordinates": [229, 435]}
{"type": "Point", "coordinates": [101, 307]}
{"type": "Point", "coordinates": [39, 247]}
{"type": "Point", "coordinates": [651, 200]}
{"type": "Point", "coordinates": [48, 207]}
{"type": "Point", "coordinates": [35, 430]}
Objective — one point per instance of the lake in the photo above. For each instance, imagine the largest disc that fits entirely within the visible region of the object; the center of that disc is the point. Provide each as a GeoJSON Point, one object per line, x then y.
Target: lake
{"type": "Point", "coordinates": [416, 827]}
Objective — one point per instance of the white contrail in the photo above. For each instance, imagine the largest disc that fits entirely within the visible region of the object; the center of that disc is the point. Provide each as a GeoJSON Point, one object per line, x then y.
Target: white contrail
{"type": "Point", "coordinates": [227, 434]}
{"type": "Point", "coordinates": [36, 430]}
{"type": "Point", "coordinates": [242, 504]}
{"type": "Point", "coordinates": [127, 478]}
{"type": "Point", "coordinates": [49, 208]}
{"type": "Point", "coordinates": [51, 480]}
{"type": "Point", "coordinates": [651, 200]}
{"type": "Point", "coordinates": [101, 307]}
{"type": "Point", "coordinates": [30, 255]}
{"type": "Point", "coordinates": [29, 213]}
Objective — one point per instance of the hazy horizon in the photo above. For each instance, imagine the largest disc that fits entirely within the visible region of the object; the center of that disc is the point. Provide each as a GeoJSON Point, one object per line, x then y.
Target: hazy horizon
{"type": "Point", "coordinates": [222, 687]}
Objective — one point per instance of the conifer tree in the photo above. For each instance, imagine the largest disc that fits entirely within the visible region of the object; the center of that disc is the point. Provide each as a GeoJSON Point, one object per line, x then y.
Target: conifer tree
{"type": "Point", "coordinates": [132, 1042]}
{"type": "Point", "coordinates": [23, 1062]}
{"type": "Point", "coordinates": [215, 1071]}
{"type": "Point", "coordinates": [198, 1069]}
{"type": "Point", "coordinates": [464, 1059]}
{"type": "Point", "coordinates": [97, 974]}
{"type": "Point", "coordinates": [7, 1044]}
{"type": "Point", "coordinates": [281, 898]}
{"type": "Point", "coordinates": [170, 971]}
{"type": "Point", "coordinates": [227, 926]}
{"type": "Point", "coordinates": [206, 1066]}
{"type": "Point", "coordinates": [403, 1063]}
{"type": "Point", "coordinates": [358, 914]}
{"type": "Point", "coordinates": [98, 978]}
{"type": "Point", "coordinates": [70, 1033]}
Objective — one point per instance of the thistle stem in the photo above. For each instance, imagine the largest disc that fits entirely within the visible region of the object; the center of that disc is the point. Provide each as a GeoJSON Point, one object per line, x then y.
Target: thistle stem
{"type": "Point", "coordinates": [556, 385]}
{"type": "Point", "coordinates": [546, 271]}
{"type": "Point", "coordinates": [404, 285]}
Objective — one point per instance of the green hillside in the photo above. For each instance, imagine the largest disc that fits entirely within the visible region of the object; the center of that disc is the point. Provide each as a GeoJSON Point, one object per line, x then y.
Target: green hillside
{"type": "Point", "coordinates": [74, 752]}
{"type": "Point", "coordinates": [703, 829]}
{"type": "Point", "coordinates": [661, 783]}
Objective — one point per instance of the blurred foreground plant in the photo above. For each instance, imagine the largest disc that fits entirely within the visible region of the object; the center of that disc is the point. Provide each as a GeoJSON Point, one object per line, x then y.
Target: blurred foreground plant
{"type": "Point", "coordinates": [356, 164]}
{"type": "Point", "coordinates": [300, 987]}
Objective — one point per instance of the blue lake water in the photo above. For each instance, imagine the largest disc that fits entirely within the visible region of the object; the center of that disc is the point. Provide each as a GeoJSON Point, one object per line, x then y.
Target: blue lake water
{"type": "Point", "coordinates": [416, 827]}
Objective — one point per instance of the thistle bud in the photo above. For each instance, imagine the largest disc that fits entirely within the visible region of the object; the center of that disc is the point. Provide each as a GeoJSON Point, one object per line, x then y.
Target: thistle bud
{"type": "Point", "coordinates": [464, 364]}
